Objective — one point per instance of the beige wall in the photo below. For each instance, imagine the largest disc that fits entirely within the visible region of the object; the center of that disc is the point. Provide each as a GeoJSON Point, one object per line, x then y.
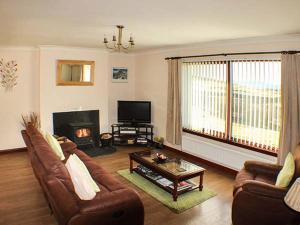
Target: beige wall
{"type": "Point", "coordinates": [37, 90]}
{"type": "Point", "coordinates": [151, 85]}
{"type": "Point", "coordinates": [22, 99]}
{"type": "Point", "coordinates": [103, 95]}
{"type": "Point", "coordinates": [120, 91]}
{"type": "Point", "coordinates": [69, 98]}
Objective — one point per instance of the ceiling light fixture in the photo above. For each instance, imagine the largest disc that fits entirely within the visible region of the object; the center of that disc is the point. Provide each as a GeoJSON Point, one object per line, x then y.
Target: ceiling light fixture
{"type": "Point", "coordinates": [117, 45]}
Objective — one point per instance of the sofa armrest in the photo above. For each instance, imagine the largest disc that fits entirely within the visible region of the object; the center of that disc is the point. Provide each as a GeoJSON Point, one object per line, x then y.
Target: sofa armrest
{"type": "Point", "coordinates": [264, 189]}
{"type": "Point", "coordinates": [259, 203]}
{"type": "Point", "coordinates": [111, 200]}
{"type": "Point", "coordinates": [68, 147]}
{"type": "Point", "coordinates": [262, 168]}
{"type": "Point", "coordinates": [61, 198]}
{"type": "Point", "coordinates": [118, 207]}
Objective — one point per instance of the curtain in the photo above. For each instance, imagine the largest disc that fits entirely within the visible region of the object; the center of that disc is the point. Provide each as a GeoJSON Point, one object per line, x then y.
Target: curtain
{"type": "Point", "coordinates": [290, 105]}
{"type": "Point", "coordinates": [174, 127]}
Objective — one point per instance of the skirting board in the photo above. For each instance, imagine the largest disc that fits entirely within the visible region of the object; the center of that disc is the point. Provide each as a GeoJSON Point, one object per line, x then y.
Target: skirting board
{"type": "Point", "coordinates": [6, 151]}
{"type": "Point", "coordinates": [200, 160]}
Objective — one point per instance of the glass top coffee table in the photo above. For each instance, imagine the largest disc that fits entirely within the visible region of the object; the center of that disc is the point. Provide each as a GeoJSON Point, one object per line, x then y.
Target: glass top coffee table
{"type": "Point", "coordinates": [172, 175]}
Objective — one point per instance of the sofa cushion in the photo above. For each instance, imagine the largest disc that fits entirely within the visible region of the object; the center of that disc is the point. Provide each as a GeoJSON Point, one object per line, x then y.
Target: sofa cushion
{"type": "Point", "coordinates": [287, 172]}
{"type": "Point", "coordinates": [297, 163]}
{"type": "Point", "coordinates": [86, 173]}
{"type": "Point", "coordinates": [49, 163]}
{"type": "Point", "coordinates": [55, 146]}
{"type": "Point", "coordinates": [53, 166]}
{"type": "Point", "coordinates": [84, 185]}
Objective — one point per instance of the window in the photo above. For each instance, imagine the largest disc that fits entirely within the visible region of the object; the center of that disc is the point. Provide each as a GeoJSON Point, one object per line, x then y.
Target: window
{"type": "Point", "coordinates": [204, 98]}
{"type": "Point", "coordinates": [235, 101]}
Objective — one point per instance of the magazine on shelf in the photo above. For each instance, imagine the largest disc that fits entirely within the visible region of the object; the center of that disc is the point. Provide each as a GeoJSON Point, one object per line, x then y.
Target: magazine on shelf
{"type": "Point", "coordinates": [149, 173]}
{"type": "Point", "coordinates": [143, 168]}
{"type": "Point", "coordinates": [164, 181]}
{"type": "Point", "coordinates": [183, 185]}
{"type": "Point", "coordinates": [153, 176]}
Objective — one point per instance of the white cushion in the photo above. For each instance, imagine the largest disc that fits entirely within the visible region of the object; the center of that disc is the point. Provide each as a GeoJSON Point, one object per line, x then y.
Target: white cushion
{"type": "Point", "coordinates": [81, 178]}
{"type": "Point", "coordinates": [85, 171]}
{"type": "Point", "coordinates": [55, 146]}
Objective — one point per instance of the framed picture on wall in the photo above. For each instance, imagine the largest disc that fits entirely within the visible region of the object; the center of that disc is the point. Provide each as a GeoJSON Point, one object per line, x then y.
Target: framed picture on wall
{"type": "Point", "coordinates": [119, 74]}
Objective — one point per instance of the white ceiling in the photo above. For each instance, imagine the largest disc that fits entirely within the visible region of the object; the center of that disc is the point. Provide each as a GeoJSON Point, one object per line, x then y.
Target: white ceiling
{"type": "Point", "coordinates": [155, 23]}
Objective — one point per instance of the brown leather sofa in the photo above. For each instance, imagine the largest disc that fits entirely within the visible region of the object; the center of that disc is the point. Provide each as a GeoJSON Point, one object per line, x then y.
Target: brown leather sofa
{"type": "Point", "coordinates": [115, 204]}
{"type": "Point", "coordinates": [256, 199]}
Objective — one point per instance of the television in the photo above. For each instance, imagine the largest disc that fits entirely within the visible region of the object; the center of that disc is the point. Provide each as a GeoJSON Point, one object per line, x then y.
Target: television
{"type": "Point", "coordinates": [134, 111]}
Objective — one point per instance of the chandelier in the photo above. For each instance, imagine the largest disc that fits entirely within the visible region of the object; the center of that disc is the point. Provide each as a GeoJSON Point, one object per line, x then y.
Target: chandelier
{"type": "Point", "coordinates": [117, 45]}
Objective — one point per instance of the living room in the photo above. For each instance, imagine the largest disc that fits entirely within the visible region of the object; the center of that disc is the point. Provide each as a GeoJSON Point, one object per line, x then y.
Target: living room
{"type": "Point", "coordinates": [36, 36]}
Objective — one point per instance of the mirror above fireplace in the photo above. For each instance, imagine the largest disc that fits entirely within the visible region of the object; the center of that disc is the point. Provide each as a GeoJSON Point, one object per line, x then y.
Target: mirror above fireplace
{"type": "Point", "coordinates": [75, 73]}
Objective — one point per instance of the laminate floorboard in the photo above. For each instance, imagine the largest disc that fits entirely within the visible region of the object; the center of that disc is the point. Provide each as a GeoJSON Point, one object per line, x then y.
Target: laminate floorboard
{"type": "Point", "coordinates": [22, 201]}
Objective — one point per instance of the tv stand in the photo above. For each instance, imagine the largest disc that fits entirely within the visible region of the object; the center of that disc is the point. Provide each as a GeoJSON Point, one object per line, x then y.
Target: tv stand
{"type": "Point", "coordinates": [138, 134]}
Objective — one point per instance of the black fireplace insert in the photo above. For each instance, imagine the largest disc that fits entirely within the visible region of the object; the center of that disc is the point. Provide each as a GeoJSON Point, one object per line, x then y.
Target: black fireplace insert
{"type": "Point", "coordinates": [82, 127]}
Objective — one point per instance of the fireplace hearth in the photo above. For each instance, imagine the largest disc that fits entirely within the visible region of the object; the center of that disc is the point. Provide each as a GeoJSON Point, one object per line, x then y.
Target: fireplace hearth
{"type": "Point", "coordinates": [81, 127]}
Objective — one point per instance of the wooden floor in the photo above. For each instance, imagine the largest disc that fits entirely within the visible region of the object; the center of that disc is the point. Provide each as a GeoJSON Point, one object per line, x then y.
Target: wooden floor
{"type": "Point", "coordinates": [22, 202]}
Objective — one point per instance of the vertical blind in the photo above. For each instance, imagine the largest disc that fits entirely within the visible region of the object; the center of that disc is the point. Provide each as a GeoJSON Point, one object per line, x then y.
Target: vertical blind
{"type": "Point", "coordinates": [253, 109]}
{"type": "Point", "coordinates": [256, 103]}
{"type": "Point", "coordinates": [204, 97]}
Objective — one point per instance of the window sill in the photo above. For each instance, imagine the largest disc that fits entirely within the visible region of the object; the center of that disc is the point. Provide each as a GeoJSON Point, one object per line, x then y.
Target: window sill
{"type": "Point", "coordinates": [263, 151]}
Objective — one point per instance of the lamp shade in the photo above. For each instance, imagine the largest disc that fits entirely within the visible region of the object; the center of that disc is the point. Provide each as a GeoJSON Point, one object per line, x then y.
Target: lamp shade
{"type": "Point", "coordinates": [292, 198]}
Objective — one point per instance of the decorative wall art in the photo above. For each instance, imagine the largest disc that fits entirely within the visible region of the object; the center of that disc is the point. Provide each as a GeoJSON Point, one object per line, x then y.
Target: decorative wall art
{"type": "Point", "coordinates": [8, 77]}
{"type": "Point", "coordinates": [119, 74]}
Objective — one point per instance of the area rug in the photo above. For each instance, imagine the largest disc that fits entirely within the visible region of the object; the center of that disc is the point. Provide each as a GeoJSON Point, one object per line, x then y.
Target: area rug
{"type": "Point", "coordinates": [184, 201]}
{"type": "Point", "coordinates": [97, 151]}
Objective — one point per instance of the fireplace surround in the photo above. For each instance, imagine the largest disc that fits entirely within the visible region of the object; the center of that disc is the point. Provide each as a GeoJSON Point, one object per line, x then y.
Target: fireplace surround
{"type": "Point", "coordinates": [82, 127]}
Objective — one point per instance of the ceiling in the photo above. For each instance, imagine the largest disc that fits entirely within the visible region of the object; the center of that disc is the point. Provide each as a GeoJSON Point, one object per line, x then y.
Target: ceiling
{"type": "Point", "coordinates": [154, 24]}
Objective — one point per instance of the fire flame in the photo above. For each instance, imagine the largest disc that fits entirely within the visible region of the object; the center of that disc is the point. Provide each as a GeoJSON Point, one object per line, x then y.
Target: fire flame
{"type": "Point", "coordinates": [83, 132]}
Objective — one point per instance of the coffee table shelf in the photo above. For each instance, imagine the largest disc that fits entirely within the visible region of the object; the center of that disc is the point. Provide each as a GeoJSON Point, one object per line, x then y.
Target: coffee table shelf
{"type": "Point", "coordinates": [175, 170]}
{"type": "Point", "coordinates": [166, 188]}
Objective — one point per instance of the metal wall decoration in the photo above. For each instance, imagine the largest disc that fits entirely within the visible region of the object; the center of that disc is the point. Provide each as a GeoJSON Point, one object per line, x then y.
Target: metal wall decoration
{"type": "Point", "coordinates": [8, 77]}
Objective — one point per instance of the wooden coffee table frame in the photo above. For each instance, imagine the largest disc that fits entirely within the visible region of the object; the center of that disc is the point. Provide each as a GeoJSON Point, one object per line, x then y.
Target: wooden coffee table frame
{"type": "Point", "coordinates": [174, 178]}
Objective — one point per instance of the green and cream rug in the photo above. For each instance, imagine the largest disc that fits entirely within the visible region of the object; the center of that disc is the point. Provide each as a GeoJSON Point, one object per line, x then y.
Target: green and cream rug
{"type": "Point", "coordinates": [184, 201]}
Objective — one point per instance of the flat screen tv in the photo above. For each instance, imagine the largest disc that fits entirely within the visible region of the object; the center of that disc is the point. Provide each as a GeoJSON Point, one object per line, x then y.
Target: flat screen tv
{"type": "Point", "coordinates": [134, 111]}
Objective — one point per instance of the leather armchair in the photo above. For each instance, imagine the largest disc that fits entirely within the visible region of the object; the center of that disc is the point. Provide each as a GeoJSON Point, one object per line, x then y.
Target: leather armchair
{"type": "Point", "coordinates": [256, 199]}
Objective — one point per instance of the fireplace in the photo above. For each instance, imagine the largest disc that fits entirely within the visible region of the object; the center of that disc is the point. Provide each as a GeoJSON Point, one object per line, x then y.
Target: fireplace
{"type": "Point", "coordinates": [82, 127]}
